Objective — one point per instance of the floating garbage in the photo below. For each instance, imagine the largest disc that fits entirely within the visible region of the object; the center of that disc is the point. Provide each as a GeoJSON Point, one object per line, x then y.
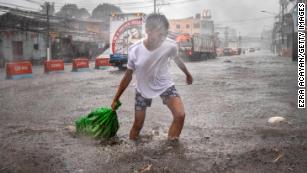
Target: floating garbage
{"type": "Point", "coordinates": [276, 119]}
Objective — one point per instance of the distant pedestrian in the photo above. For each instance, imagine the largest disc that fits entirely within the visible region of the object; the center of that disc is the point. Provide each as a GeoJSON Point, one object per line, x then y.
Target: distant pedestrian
{"type": "Point", "coordinates": [149, 59]}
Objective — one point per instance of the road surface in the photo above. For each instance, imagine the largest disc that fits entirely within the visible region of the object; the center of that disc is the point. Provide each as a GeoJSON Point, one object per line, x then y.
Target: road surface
{"type": "Point", "coordinates": [226, 128]}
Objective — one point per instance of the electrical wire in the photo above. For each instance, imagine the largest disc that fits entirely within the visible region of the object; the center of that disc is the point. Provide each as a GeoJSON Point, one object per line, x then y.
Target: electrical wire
{"type": "Point", "coordinates": [15, 5]}
{"type": "Point", "coordinates": [238, 21]}
{"type": "Point", "coordinates": [128, 5]}
{"type": "Point", "coordinates": [135, 5]}
{"type": "Point", "coordinates": [34, 2]}
{"type": "Point", "coordinates": [250, 19]}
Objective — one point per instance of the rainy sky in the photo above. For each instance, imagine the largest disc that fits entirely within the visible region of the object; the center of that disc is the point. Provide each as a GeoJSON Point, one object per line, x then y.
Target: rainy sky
{"type": "Point", "coordinates": [243, 15]}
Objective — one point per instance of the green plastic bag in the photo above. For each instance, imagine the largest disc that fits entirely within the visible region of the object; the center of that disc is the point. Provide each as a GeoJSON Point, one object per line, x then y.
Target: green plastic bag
{"type": "Point", "coordinates": [100, 123]}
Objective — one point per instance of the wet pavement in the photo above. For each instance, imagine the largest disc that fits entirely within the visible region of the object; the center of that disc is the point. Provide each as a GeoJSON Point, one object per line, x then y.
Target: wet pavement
{"type": "Point", "coordinates": [226, 128]}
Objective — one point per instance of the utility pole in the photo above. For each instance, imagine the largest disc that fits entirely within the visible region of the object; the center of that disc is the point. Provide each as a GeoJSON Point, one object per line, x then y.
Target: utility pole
{"type": "Point", "coordinates": [155, 6]}
{"type": "Point", "coordinates": [160, 4]}
{"type": "Point", "coordinates": [284, 4]}
{"type": "Point", "coordinates": [48, 32]}
{"type": "Point", "coordinates": [282, 23]}
{"type": "Point", "coordinates": [239, 40]}
{"type": "Point", "coordinates": [226, 37]}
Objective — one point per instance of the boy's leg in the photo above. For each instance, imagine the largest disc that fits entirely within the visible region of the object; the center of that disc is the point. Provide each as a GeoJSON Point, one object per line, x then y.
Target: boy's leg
{"type": "Point", "coordinates": [138, 124]}
{"type": "Point", "coordinates": [176, 107]}
{"type": "Point", "coordinates": [141, 104]}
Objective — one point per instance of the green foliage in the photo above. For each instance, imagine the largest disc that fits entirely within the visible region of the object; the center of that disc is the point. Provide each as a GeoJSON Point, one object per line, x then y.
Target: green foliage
{"type": "Point", "coordinates": [72, 11]}
{"type": "Point", "coordinates": [49, 6]}
{"type": "Point", "coordinates": [104, 11]}
{"type": "Point", "coordinates": [101, 12]}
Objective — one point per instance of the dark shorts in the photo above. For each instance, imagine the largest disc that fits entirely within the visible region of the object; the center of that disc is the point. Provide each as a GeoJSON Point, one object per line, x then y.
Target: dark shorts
{"type": "Point", "coordinates": [141, 103]}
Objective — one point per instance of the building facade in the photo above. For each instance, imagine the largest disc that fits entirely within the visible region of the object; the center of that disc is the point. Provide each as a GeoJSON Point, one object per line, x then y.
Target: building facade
{"type": "Point", "coordinates": [23, 36]}
{"type": "Point", "coordinates": [184, 26]}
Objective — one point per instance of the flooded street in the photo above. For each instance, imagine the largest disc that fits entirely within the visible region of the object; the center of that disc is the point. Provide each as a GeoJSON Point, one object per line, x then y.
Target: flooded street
{"type": "Point", "coordinates": [226, 127]}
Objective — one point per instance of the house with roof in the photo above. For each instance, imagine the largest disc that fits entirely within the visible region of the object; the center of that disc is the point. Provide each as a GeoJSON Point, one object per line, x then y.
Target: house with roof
{"type": "Point", "coordinates": [23, 36]}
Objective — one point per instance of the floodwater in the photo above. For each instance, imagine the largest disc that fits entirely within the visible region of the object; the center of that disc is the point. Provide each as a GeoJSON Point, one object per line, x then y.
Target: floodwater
{"type": "Point", "coordinates": [226, 128]}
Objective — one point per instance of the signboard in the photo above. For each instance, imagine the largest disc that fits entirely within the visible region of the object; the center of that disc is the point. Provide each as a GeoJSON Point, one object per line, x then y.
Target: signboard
{"type": "Point", "coordinates": [125, 30]}
{"type": "Point", "coordinates": [18, 69]}
{"type": "Point", "coordinates": [53, 65]}
{"type": "Point", "coordinates": [80, 63]}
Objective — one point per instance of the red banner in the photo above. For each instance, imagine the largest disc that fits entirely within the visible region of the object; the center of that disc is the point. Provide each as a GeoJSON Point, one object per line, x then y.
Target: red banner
{"type": "Point", "coordinates": [80, 63]}
{"type": "Point", "coordinates": [53, 65]}
{"type": "Point", "coordinates": [100, 62]}
{"type": "Point", "coordinates": [18, 68]}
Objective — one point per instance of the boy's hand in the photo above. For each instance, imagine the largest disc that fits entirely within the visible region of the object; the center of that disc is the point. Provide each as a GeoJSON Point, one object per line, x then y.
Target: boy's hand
{"type": "Point", "coordinates": [189, 79]}
{"type": "Point", "coordinates": [113, 105]}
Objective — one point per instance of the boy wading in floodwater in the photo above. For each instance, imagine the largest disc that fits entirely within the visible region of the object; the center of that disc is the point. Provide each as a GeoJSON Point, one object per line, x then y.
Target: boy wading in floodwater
{"type": "Point", "coordinates": [150, 59]}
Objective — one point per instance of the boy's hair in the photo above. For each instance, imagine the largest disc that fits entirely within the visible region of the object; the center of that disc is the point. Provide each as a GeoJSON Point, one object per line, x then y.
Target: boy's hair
{"type": "Point", "coordinates": [156, 21]}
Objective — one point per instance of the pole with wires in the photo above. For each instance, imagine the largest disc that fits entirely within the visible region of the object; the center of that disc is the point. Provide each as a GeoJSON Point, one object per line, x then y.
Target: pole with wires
{"type": "Point", "coordinates": [155, 6]}
{"type": "Point", "coordinates": [48, 31]}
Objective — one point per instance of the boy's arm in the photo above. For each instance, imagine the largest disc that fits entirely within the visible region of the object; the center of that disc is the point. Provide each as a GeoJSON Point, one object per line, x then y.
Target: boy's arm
{"type": "Point", "coordinates": [181, 65]}
{"type": "Point", "coordinates": [123, 85]}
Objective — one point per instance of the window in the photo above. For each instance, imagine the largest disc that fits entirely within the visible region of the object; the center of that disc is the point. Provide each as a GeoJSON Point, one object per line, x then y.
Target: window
{"type": "Point", "coordinates": [35, 46]}
{"type": "Point", "coordinates": [187, 26]}
{"type": "Point", "coordinates": [17, 49]}
{"type": "Point", "coordinates": [196, 25]}
{"type": "Point", "coordinates": [197, 16]}
{"type": "Point", "coordinates": [177, 26]}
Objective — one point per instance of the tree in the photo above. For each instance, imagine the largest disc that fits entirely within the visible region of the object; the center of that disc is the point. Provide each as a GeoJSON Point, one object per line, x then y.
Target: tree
{"type": "Point", "coordinates": [83, 13]}
{"type": "Point", "coordinates": [51, 8]}
{"type": "Point", "coordinates": [103, 11]}
{"type": "Point", "coordinates": [72, 11]}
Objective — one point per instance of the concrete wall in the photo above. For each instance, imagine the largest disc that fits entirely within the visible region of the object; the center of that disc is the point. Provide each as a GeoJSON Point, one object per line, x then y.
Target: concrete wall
{"type": "Point", "coordinates": [183, 23]}
{"type": "Point", "coordinates": [28, 40]}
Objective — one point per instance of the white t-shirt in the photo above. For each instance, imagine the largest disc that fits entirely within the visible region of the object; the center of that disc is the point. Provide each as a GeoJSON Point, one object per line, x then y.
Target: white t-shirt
{"type": "Point", "coordinates": [151, 68]}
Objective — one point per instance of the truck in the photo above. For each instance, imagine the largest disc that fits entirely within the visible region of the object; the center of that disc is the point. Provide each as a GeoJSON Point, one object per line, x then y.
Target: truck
{"type": "Point", "coordinates": [125, 30]}
{"type": "Point", "coordinates": [199, 46]}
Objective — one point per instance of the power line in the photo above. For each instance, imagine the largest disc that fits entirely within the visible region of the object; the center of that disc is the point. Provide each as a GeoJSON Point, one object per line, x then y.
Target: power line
{"type": "Point", "coordinates": [43, 15]}
{"type": "Point", "coordinates": [42, 1]}
{"type": "Point", "coordinates": [127, 5]}
{"type": "Point", "coordinates": [92, 5]}
{"type": "Point", "coordinates": [244, 20]}
{"type": "Point", "coordinates": [133, 5]}
{"type": "Point", "coordinates": [34, 2]}
{"type": "Point", "coordinates": [121, 6]}
{"type": "Point", "coordinates": [151, 5]}
{"type": "Point", "coordinates": [37, 14]}
{"type": "Point", "coordinates": [15, 5]}
{"type": "Point", "coordinates": [185, 9]}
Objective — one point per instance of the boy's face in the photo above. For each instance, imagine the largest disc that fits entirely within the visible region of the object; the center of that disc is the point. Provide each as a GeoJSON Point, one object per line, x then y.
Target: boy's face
{"type": "Point", "coordinates": [156, 36]}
